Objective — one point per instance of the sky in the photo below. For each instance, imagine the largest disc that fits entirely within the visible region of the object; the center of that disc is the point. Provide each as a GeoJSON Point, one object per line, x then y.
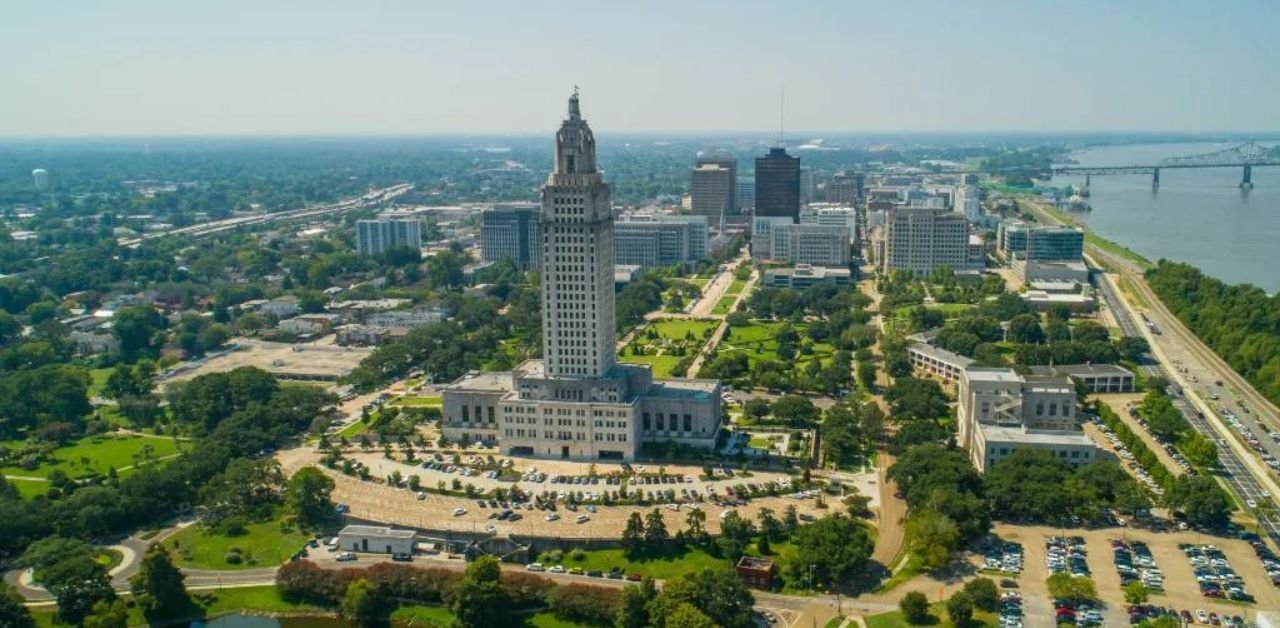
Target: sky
{"type": "Point", "coordinates": [321, 67]}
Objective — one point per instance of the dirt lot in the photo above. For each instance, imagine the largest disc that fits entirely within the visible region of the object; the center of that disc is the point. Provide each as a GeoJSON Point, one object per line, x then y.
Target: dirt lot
{"type": "Point", "coordinates": [320, 360]}
{"type": "Point", "coordinates": [1181, 591]}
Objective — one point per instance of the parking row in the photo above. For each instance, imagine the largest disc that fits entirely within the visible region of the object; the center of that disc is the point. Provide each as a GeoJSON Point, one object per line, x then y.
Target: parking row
{"type": "Point", "coordinates": [1066, 555]}
{"type": "Point", "coordinates": [1270, 562]}
{"type": "Point", "coordinates": [1135, 563]}
{"type": "Point", "coordinates": [1004, 556]}
{"type": "Point", "coordinates": [1214, 574]}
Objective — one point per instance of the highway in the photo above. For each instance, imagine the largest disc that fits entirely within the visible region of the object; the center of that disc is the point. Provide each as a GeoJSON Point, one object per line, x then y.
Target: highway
{"type": "Point", "coordinates": [216, 226]}
{"type": "Point", "coordinates": [1195, 364]}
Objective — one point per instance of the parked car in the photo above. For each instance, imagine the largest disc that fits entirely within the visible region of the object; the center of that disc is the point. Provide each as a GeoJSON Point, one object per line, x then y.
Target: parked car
{"type": "Point", "coordinates": [401, 557]}
{"type": "Point", "coordinates": [346, 557]}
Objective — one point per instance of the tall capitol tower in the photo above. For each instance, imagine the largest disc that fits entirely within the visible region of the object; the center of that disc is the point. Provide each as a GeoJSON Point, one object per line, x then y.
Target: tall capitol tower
{"type": "Point", "coordinates": [578, 401]}
{"type": "Point", "coordinates": [577, 257]}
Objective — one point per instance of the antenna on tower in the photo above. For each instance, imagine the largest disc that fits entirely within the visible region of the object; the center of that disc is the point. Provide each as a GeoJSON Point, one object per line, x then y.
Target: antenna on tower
{"type": "Point", "coordinates": [782, 104]}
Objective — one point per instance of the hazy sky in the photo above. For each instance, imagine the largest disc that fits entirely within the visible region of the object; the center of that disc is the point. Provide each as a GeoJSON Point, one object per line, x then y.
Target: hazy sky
{"type": "Point", "coordinates": [158, 67]}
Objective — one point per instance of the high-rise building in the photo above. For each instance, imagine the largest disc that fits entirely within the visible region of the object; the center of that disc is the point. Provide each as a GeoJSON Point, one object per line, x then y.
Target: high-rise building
{"type": "Point", "coordinates": [40, 177]}
{"type": "Point", "coordinates": [377, 235]}
{"type": "Point", "coordinates": [713, 188]}
{"type": "Point", "coordinates": [512, 232]}
{"type": "Point", "coordinates": [1041, 243]}
{"type": "Point", "coordinates": [648, 239]}
{"type": "Point", "coordinates": [577, 401]}
{"type": "Point", "coordinates": [833, 215]}
{"type": "Point", "coordinates": [808, 186]}
{"type": "Point", "coordinates": [921, 239]}
{"type": "Point", "coordinates": [968, 201]}
{"type": "Point", "coordinates": [746, 194]}
{"type": "Point", "coordinates": [778, 185]}
{"type": "Point", "coordinates": [846, 188]}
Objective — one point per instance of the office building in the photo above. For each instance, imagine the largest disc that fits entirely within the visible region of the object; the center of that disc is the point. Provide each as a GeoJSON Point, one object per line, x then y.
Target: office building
{"type": "Point", "coordinates": [1096, 378]}
{"type": "Point", "coordinates": [373, 237]}
{"type": "Point", "coordinates": [577, 401]}
{"type": "Point", "coordinates": [746, 191]}
{"type": "Point", "coordinates": [777, 239]}
{"type": "Point", "coordinates": [846, 188]}
{"type": "Point", "coordinates": [1042, 243]}
{"type": "Point", "coordinates": [806, 275]}
{"type": "Point", "coordinates": [647, 239]}
{"type": "Point", "coordinates": [919, 240]}
{"type": "Point", "coordinates": [778, 185]}
{"type": "Point", "coordinates": [512, 232]}
{"type": "Point", "coordinates": [968, 202]}
{"type": "Point", "coordinates": [808, 186]}
{"type": "Point", "coordinates": [713, 188]}
{"type": "Point", "coordinates": [40, 177]}
{"type": "Point", "coordinates": [832, 215]}
{"type": "Point", "coordinates": [1000, 411]}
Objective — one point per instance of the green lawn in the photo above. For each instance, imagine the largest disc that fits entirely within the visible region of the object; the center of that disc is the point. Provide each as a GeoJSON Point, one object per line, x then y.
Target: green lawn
{"type": "Point", "coordinates": [949, 310]}
{"type": "Point", "coordinates": [758, 340]}
{"type": "Point", "coordinates": [29, 488]}
{"type": "Point", "coordinates": [96, 454]}
{"type": "Point", "coordinates": [725, 305]}
{"type": "Point", "coordinates": [98, 380]}
{"type": "Point", "coordinates": [894, 619]}
{"type": "Point", "coordinates": [736, 287]}
{"type": "Point", "coordinates": [677, 329]}
{"type": "Point", "coordinates": [662, 365]}
{"type": "Point", "coordinates": [256, 599]}
{"type": "Point", "coordinates": [662, 567]}
{"type": "Point", "coordinates": [263, 545]}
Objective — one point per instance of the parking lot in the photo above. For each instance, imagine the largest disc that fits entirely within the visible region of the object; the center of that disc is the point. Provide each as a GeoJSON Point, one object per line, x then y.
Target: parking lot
{"type": "Point", "coordinates": [1181, 589]}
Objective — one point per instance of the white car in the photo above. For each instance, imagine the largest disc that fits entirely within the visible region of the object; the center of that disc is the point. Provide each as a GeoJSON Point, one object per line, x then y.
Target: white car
{"type": "Point", "coordinates": [557, 569]}
{"type": "Point", "coordinates": [582, 519]}
{"type": "Point", "coordinates": [535, 567]}
{"type": "Point", "coordinates": [345, 557]}
{"type": "Point", "coordinates": [458, 512]}
{"type": "Point", "coordinates": [1250, 503]}
{"type": "Point", "coordinates": [422, 495]}
{"type": "Point", "coordinates": [552, 517]}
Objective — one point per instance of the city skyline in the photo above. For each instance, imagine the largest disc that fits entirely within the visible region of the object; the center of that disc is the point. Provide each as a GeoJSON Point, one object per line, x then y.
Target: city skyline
{"type": "Point", "coordinates": [148, 68]}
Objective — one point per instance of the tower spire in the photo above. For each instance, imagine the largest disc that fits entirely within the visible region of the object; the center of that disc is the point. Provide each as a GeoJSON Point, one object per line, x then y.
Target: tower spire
{"type": "Point", "coordinates": [574, 112]}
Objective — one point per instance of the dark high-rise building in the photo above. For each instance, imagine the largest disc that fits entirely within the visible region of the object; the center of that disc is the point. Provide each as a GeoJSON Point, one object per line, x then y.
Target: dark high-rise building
{"type": "Point", "coordinates": [846, 188]}
{"type": "Point", "coordinates": [778, 185]}
{"type": "Point", "coordinates": [512, 232]}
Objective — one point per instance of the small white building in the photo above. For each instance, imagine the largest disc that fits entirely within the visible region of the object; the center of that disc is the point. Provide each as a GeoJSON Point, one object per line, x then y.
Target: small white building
{"type": "Point", "coordinates": [376, 539]}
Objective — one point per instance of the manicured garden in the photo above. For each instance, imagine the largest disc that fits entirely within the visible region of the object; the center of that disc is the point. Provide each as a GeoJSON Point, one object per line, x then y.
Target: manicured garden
{"type": "Point", "coordinates": [664, 344]}
{"type": "Point", "coordinates": [263, 544]}
{"type": "Point", "coordinates": [895, 619]}
{"type": "Point", "coordinates": [725, 305]}
{"type": "Point", "coordinates": [759, 340]}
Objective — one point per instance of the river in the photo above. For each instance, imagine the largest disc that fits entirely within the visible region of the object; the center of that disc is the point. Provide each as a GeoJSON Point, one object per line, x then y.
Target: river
{"type": "Point", "coordinates": [1198, 216]}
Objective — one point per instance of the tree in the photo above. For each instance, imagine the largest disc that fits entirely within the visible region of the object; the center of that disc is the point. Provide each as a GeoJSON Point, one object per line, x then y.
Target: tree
{"type": "Point", "coordinates": [933, 537]}
{"type": "Point", "coordinates": [363, 603]}
{"type": "Point", "coordinates": [1025, 328]}
{"type": "Point", "coordinates": [479, 600]}
{"type": "Point", "coordinates": [696, 525]}
{"type": "Point", "coordinates": [984, 594]}
{"type": "Point", "coordinates": [77, 584]}
{"type": "Point", "coordinates": [1068, 587]}
{"type": "Point", "coordinates": [306, 495]}
{"type": "Point", "coordinates": [867, 374]}
{"type": "Point", "coordinates": [795, 411]}
{"type": "Point", "coordinates": [1200, 499]}
{"type": "Point", "coordinates": [105, 614]}
{"type": "Point", "coordinates": [757, 408]}
{"type": "Point", "coordinates": [159, 587]}
{"type": "Point", "coordinates": [655, 531]}
{"type": "Point", "coordinates": [633, 612]}
{"type": "Point", "coordinates": [13, 611]}
{"type": "Point", "coordinates": [717, 593]}
{"type": "Point", "coordinates": [135, 327]}
{"type": "Point", "coordinates": [1136, 593]}
{"type": "Point", "coordinates": [770, 527]}
{"type": "Point", "coordinates": [633, 535]}
{"type": "Point", "coordinates": [915, 608]}
{"type": "Point", "coordinates": [686, 615]}
{"type": "Point", "coordinates": [960, 608]}
{"type": "Point", "coordinates": [830, 550]}
{"type": "Point", "coordinates": [735, 534]}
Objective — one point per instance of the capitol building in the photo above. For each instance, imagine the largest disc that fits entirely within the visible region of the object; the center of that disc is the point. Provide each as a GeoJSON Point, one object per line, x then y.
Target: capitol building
{"type": "Point", "coordinates": [578, 402]}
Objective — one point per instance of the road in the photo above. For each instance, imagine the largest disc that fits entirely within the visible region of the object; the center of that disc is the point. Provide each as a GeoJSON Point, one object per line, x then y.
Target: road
{"type": "Point", "coordinates": [1243, 471]}
{"type": "Point", "coordinates": [216, 226]}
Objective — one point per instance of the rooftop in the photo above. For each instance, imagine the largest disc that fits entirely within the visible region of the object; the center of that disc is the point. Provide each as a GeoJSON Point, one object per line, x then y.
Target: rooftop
{"type": "Point", "coordinates": [752, 562]}
{"type": "Point", "coordinates": [496, 381]}
{"type": "Point", "coordinates": [993, 374]}
{"type": "Point", "coordinates": [994, 433]}
{"type": "Point", "coordinates": [941, 354]}
{"type": "Point", "coordinates": [1082, 369]}
{"type": "Point", "coordinates": [378, 531]}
